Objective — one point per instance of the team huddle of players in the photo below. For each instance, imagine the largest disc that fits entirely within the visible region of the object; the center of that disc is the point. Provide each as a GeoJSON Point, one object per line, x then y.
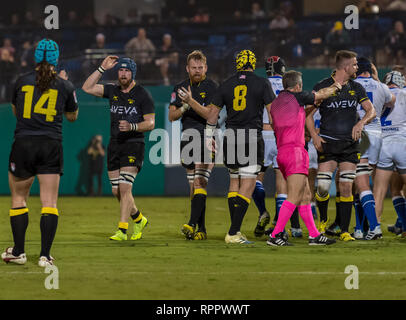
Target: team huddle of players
{"type": "Point", "coordinates": [305, 136]}
{"type": "Point", "coordinates": [355, 132]}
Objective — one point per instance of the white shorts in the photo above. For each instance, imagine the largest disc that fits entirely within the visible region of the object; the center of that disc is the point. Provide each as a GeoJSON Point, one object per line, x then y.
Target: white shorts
{"type": "Point", "coordinates": [375, 144]}
{"type": "Point", "coordinates": [312, 155]}
{"type": "Point", "coordinates": [393, 154]}
{"type": "Point", "coordinates": [270, 151]}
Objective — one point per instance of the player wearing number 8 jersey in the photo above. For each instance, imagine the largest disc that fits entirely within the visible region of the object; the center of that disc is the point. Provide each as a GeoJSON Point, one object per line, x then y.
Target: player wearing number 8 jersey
{"type": "Point", "coordinates": [39, 100]}
{"type": "Point", "coordinates": [244, 94]}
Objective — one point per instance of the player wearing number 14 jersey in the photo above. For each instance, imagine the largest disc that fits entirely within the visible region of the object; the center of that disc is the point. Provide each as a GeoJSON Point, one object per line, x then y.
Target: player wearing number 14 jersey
{"type": "Point", "coordinates": [244, 94]}
{"type": "Point", "coordinates": [39, 100]}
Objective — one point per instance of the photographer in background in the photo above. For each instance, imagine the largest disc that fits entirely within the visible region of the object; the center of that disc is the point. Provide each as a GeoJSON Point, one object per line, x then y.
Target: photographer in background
{"type": "Point", "coordinates": [96, 162]}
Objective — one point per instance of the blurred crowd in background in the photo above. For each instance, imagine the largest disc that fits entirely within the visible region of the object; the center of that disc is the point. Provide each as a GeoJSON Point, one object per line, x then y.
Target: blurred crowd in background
{"type": "Point", "coordinates": [158, 35]}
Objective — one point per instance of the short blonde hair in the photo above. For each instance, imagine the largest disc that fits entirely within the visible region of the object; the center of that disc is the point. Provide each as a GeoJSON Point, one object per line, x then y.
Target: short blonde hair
{"type": "Point", "coordinates": [196, 55]}
{"type": "Point", "coordinates": [343, 55]}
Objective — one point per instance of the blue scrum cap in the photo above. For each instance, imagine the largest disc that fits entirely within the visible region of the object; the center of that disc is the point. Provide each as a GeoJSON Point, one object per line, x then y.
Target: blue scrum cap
{"type": "Point", "coordinates": [128, 64]}
{"type": "Point", "coordinates": [47, 51]}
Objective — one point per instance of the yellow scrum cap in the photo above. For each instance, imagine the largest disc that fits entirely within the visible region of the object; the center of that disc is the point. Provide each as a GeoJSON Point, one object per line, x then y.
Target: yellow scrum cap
{"type": "Point", "coordinates": [245, 59]}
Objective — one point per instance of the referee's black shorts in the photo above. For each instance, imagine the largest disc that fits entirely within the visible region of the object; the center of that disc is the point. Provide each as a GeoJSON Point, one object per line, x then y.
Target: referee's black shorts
{"type": "Point", "coordinates": [339, 151]}
{"type": "Point", "coordinates": [32, 155]}
{"type": "Point", "coordinates": [125, 154]}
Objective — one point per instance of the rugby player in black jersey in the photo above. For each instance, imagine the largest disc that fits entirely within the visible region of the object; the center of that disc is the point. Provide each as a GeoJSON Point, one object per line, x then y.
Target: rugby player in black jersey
{"type": "Point", "coordinates": [337, 143]}
{"type": "Point", "coordinates": [131, 114]}
{"type": "Point", "coordinates": [40, 99]}
{"type": "Point", "coordinates": [189, 101]}
{"type": "Point", "coordinates": [244, 94]}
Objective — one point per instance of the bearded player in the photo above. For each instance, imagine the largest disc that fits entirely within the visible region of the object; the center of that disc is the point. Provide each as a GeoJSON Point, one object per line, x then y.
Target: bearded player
{"type": "Point", "coordinates": [131, 114]}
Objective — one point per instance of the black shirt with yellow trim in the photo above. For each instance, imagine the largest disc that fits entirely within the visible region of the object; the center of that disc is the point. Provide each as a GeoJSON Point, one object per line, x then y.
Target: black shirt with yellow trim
{"type": "Point", "coordinates": [339, 112]}
{"type": "Point", "coordinates": [41, 113]}
{"type": "Point", "coordinates": [131, 106]}
{"type": "Point", "coordinates": [244, 95]}
{"type": "Point", "coordinates": [202, 92]}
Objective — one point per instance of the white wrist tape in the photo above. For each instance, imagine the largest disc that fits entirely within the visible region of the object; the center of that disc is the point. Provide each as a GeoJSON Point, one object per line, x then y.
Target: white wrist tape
{"type": "Point", "coordinates": [210, 128]}
{"type": "Point", "coordinates": [184, 107]}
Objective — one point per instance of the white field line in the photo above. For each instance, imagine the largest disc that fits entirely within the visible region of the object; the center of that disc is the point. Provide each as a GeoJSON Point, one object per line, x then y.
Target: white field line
{"type": "Point", "coordinates": [380, 273]}
{"type": "Point", "coordinates": [311, 273]}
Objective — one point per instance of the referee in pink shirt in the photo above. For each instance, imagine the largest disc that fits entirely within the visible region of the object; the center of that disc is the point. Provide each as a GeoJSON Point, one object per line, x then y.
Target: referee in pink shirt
{"type": "Point", "coordinates": [288, 117]}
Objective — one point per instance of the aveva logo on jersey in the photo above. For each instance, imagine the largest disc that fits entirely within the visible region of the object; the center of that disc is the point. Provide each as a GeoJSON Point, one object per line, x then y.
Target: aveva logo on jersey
{"type": "Point", "coordinates": [343, 104]}
{"type": "Point", "coordinates": [123, 110]}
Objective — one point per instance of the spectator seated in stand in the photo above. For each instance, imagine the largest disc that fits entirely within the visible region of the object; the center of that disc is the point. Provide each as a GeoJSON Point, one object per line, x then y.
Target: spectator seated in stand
{"type": "Point", "coordinates": [168, 57]}
{"type": "Point", "coordinates": [395, 44]}
{"type": "Point", "coordinates": [142, 51]}
{"type": "Point", "coordinates": [8, 73]}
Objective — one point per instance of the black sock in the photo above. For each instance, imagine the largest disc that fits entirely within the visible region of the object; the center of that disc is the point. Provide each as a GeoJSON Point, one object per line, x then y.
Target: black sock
{"type": "Point", "coordinates": [197, 205]}
{"type": "Point", "coordinates": [240, 209]}
{"type": "Point", "coordinates": [19, 224]}
{"type": "Point", "coordinates": [48, 225]}
{"type": "Point", "coordinates": [231, 202]}
{"type": "Point", "coordinates": [134, 216]}
{"type": "Point", "coordinates": [294, 219]}
{"type": "Point", "coordinates": [345, 212]}
{"type": "Point", "coordinates": [202, 220]}
{"type": "Point", "coordinates": [337, 221]}
{"type": "Point", "coordinates": [322, 204]}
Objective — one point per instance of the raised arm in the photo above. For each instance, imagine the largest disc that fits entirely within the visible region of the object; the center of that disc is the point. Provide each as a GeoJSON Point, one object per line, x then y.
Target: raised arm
{"type": "Point", "coordinates": [325, 93]}
{"type": "Point", "coordinates": [91, 85]}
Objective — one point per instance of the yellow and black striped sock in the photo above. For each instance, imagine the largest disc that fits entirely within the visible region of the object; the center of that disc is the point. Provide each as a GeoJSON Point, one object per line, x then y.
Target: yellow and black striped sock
{"type": "Point", "coordinates": [48, 226]}
{"type": "Point", "coordinates": [345, 212]}
{"type": "Point", "coordinates": [19, 224]}
{"type": "Point", "coordinates": [137, 216]}
{"type": "Point", "coordinates": [231, 201]}
{"type": "Point", "coordinates": [240, 209]}
{"type": "Point", "coordinates": [197, 204]}
{"type": "Point", "coordinates": [123, 226]}
{"type": "Point", "coordinates": [338, 208]}
{"type": "Point", "coordinates": [322, 204]}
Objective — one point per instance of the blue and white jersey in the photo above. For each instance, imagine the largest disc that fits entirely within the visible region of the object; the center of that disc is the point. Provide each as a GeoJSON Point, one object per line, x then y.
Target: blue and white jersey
{"type": "Point", "coordinates": [393, 120]}
{"type": "Point", "coordinates": [379, 94]}
{"type": "Point", "coordinates": [277, 86]}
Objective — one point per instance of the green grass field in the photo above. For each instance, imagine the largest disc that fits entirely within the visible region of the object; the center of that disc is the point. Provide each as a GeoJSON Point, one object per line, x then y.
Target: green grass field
{"type": "Point", "coordinates": [162, 265]}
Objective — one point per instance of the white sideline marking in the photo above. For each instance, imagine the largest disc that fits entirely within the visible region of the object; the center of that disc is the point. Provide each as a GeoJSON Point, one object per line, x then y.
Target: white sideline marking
{"type": "Point", "coordinates": [380, 273]}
